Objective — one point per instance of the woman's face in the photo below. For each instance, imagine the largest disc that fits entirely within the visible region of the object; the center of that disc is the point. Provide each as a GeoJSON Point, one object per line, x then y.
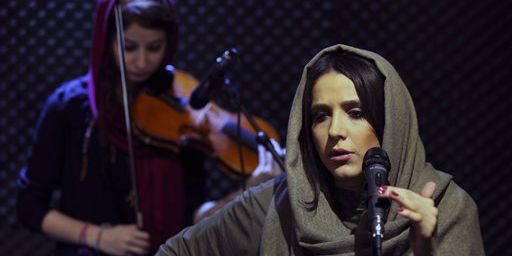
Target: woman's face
{"type": "Point", "coordinates": [340, 133]}
{"type": "Point", "coordinates": [145, 50]}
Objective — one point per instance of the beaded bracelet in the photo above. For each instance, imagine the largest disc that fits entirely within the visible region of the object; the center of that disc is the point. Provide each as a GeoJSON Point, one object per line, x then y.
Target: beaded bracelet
{"type": "Point", "coordinates": [98, 238]}
{"type": "Point", "coordinates": [82, 236]}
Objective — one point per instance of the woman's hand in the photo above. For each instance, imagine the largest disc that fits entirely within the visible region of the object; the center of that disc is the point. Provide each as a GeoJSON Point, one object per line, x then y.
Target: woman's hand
{"type": "Point", "coordinates": [124, 239]}
{"type": "Point", "coordinates": [421, 211]}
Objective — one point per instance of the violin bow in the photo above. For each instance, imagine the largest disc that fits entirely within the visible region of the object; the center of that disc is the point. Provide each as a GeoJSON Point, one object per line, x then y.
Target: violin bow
{"type": "Point", "coordinates": [126, 108]}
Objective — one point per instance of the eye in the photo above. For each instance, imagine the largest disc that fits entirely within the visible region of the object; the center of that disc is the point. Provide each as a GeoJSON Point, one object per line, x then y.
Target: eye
{"type": "Point", "coordinates": [320, 116]}
{"type": "Point", "coordinates": [154, 47]}
{"type": "Point", "coordinates": [356, 113]}
{"type": "Point", "coordinates": [130, 47]}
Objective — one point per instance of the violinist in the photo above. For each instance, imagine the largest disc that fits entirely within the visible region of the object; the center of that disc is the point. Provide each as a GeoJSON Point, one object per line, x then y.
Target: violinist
{"type": "Point", "coordinates": [81, 147]}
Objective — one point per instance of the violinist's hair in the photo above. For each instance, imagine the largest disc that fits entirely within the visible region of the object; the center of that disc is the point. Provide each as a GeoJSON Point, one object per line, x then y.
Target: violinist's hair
{"type": "Point", "coordinates": [369, 85]}
{"type": "Point", "coordinates": [151, 14]}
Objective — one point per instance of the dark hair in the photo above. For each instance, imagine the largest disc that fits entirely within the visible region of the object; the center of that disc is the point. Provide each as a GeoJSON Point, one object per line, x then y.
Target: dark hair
{"type": "Point", "coordinates": [151, 14]}
{"type": "Point", "coordinates": [369, 85]}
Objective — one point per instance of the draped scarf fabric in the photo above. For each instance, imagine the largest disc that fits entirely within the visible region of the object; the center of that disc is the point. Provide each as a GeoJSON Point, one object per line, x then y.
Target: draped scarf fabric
{"type": "Point", "coordinates": [321, 232]}
{"type": "Point", "coordinates": [159, 174]}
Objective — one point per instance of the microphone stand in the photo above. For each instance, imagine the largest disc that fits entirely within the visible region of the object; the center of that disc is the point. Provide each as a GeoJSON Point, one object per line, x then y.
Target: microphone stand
{"type": "Point", "coordinates": [218, 79]}
{"type": "Point", "coordinates": [261, 136]}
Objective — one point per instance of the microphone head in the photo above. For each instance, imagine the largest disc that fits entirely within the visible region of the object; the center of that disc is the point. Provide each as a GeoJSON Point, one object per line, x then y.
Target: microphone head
{"type": "Point", "coordinates": [226, 60]}
{"type": "Point", "coordinates": [199, 98]}
{"type": "Point", "coordinates": [376, 155]}
{"type": "Point", "coordinates": [202, 93]}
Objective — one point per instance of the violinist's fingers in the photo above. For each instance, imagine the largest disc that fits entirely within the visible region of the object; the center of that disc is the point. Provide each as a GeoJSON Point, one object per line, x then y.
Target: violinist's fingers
{"type": "Point", "coordinates": [277, 147]}
{"type": "Point", "coordinates": [269, 161]}
{"type": "Point", "coordinates": [261, 154]}
{"type": "Point", "coordinates": [261, 161]}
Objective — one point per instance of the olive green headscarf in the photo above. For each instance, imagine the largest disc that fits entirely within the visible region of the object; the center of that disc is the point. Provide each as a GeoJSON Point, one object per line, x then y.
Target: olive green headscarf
{"type": "Point", "coordinates": [292, 229]}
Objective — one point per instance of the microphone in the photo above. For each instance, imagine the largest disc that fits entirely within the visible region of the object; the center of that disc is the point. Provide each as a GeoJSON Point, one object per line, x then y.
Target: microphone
{"type": "Point", "coordinates": [201, 95]}
{"type": "Point", "coordinates": [376, 167]}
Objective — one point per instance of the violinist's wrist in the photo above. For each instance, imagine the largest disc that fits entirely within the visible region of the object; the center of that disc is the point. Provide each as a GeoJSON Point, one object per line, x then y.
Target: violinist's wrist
{"type": "Point", "coordinates": [92, 234]}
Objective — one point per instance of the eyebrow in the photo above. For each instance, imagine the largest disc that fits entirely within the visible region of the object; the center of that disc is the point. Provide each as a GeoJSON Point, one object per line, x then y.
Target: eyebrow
{"type": "Point", "coordinates": [159, 40]}
{"type": "Point", "coordinates": [345, 105]}
{"type": "Point", "coordinates": [351, 104]}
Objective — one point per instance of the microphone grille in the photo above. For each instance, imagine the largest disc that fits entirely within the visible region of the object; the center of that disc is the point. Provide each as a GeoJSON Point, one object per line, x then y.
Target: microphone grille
{"type": "Point", "coordinates": [376, 155]}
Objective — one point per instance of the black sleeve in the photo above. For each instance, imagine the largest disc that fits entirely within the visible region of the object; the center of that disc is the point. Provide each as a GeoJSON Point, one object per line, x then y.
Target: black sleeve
{"type": "Point", "coordinates": [43, 172]}
{"type": "Point", "coordinates": [193, 163]}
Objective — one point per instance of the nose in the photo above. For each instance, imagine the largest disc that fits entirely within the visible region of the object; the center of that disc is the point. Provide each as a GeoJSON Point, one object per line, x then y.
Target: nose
{"type": "Point", "coordinates": [141, 59]}
{"type": "Point", "coordinates": [337, 129]}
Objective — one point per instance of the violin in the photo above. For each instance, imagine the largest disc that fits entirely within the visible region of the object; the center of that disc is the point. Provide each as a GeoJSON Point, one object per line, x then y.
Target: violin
{"type": "Point", "coordinates": [167, 121]}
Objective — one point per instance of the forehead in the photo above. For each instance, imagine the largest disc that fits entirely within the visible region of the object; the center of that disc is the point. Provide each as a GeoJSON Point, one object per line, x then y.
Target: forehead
{"type": "Point", "coordinates": [333, 86]}
{"type": "Point", "coordinates": [140, 34]}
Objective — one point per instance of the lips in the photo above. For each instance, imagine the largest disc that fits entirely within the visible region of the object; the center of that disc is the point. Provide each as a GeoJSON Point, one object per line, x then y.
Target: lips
{"type": "Point", "coordinates": [339, 154]}
{"type": "Point", "coordinates": [138, 75]}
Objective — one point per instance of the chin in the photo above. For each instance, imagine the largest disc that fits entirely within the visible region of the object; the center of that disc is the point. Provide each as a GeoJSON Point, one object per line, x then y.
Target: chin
{"type": "Point", "coordinates": [137, 79]}
{"type": "Point", "coordinates": [347, 173]}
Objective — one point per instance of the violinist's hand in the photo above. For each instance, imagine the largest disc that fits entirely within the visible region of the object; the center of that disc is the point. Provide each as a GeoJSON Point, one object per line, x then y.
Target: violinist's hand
{"type": "Point", "coordinates": [124, 240]}
{"type": "Point", "coordinates": [267, 167]}
{"type": "Point", "coordinates": [421, 211]}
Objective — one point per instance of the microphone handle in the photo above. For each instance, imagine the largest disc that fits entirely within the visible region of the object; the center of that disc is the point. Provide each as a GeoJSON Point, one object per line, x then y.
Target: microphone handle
{"type": "Point", "coordinates": [377, 208]}
{"type": "Point", "coordinates": [377, 227]}
{"type": "Point", "coordinates": [200, 96]}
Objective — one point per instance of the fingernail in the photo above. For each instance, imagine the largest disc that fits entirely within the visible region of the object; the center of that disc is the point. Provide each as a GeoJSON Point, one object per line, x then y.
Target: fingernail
{"type": "Point", "coordinates": [399, 209]}
{"type": "Point", "coordinates": [395, 194]}
{"type": "Point", "coordinates": [382, 190]}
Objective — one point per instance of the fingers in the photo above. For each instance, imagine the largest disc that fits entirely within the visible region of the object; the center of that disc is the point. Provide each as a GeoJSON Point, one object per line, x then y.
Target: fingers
{"type": "Point", "coordinates": [125, 239]}
{"type": "Point", "coordinates": [265, 159]}
{"type": "Point", "coordinates": [279, 150]}
{"type": "Point", "coordinates": [413, 216]}
{"type": "Point", "coordinates": [138, 242]}
{"type": "Point", "coordinates": [261, 153]}
{"type": "Point", "coordinates": [407, 198]}
{"type": "Point", "coordinates": [428, 189]}
{"type": "Point", "coordinates": [137, 246]}
{"type": "Point", "coordinates": [141, 235]}
{"type": "Point", "coordinates": [418, 208]}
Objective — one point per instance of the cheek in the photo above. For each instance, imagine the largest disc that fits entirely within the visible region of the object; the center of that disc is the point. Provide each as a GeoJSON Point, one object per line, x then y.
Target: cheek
{"type": "Point", "coordinates": [156, 59]}
{"type": "Point", "coordinates": [159, 55]}
{"type": "Point", "coordinates": [368, 140]}
{"type": "Point", "coordinates": [319, 139]}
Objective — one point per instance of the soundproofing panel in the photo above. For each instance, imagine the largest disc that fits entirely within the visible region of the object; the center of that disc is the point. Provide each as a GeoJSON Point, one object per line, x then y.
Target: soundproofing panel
{"type": "Point", "coordinates": [454, 56]}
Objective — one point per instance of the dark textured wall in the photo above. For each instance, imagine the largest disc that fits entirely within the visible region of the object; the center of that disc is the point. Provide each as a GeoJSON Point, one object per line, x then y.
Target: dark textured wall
{"type": "Point", "coordinates": [454, 57]}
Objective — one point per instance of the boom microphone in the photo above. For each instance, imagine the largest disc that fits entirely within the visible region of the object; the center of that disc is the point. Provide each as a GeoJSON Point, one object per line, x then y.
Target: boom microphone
{"type": "Point", "coordinates": [202, 94]}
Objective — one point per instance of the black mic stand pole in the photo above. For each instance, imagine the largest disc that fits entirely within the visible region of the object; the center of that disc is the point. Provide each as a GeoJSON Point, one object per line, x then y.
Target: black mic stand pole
{"type": "Point", "coordinates": [261, 136]}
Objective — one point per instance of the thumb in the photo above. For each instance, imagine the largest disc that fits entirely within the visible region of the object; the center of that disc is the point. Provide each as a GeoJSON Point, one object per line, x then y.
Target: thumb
{"type": "Point", "coordinates": [428, 189]}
